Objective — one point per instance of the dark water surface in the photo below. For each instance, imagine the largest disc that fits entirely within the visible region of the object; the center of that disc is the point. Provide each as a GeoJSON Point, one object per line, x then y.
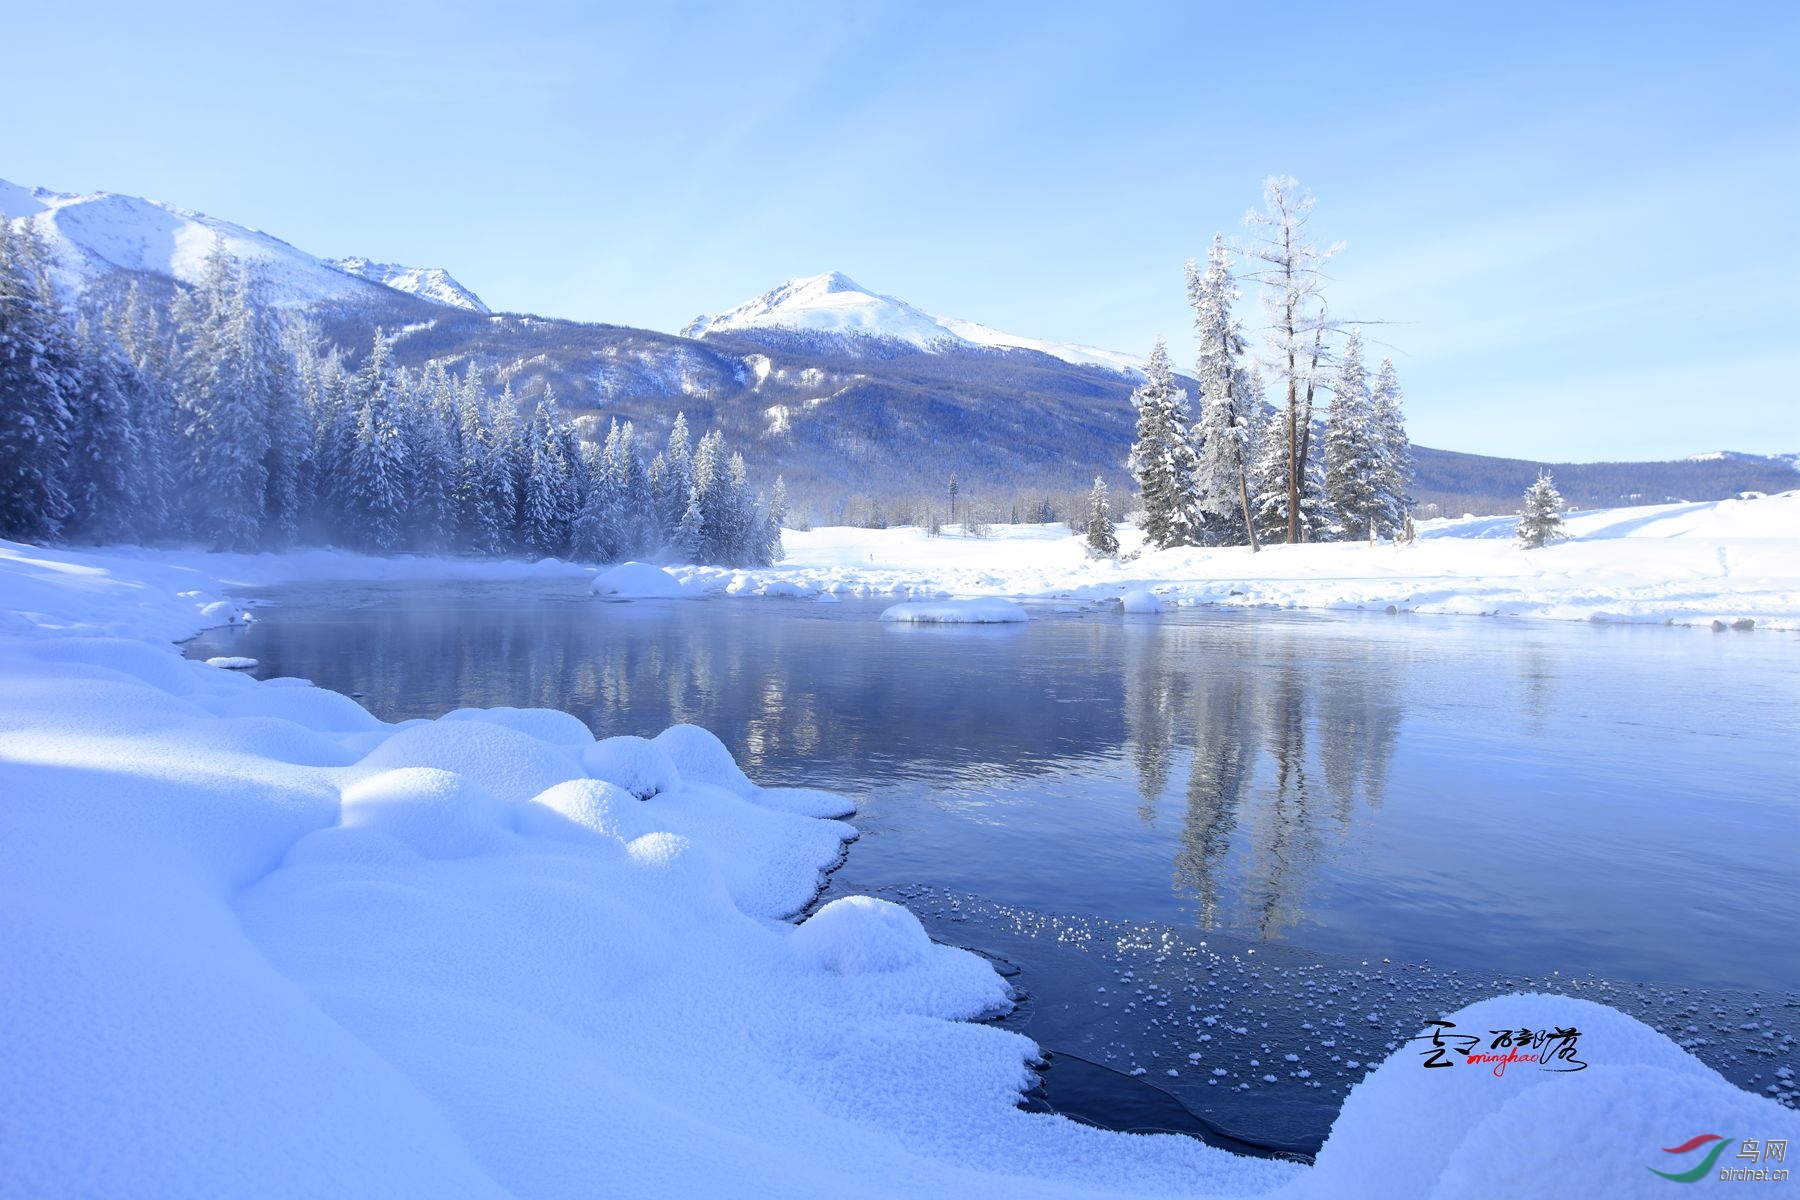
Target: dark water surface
{"type": "Point", "coordinates": [1550, 805]}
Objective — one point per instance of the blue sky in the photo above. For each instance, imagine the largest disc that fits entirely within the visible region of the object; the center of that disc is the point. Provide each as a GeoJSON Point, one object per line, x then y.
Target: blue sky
{"type": "Point", "coordinates": [1578, 220]}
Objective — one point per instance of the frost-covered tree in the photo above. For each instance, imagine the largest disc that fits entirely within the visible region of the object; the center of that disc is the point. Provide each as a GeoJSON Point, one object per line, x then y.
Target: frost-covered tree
{"type": "Point", "coordinates": [226, 380]}
{"type": "Point", "coordinates": [1290, 274]}
{"type": "Point", "coordinates": [1354, 470]}
{"type": "Point", "coordinates": [378, 480]}
{"type": "Point", "coordinates": [136, 331]}
{"type": "Point", "coordinates": [674, 481]}
{"type": "Point", "coordinates": [1394, 451]}
{"type": "Point", "coordinates": [1223, 433]}
{"type": "Point", "coordinates": [103, 440]}
{"type": "Point", "coordinates": [1102, 538]}
{"type": "Point", "coordinates": [771, 551]}
{"type": "Point", "coordinates": [37, 379]}
{"type": "Point", "coordinates": [1162, 460]}
{"type": "Point", "coordinates": [1541, 521]}
{"type": "Point", "coordinates": [545, 509]}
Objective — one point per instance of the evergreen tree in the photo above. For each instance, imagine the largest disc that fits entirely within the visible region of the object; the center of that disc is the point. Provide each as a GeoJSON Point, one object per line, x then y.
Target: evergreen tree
{"type": "Point", "coordinates": [675, 481]}
{"type": "Point", "coordinates": [545, 509]}
{"type": "Point", "coordinates": [225, 404]}
{"type": "Point", "coordinates": [1541, 522]}
{"type": "Point", "coordinates": [378, 480]}
{"type": "Point", "coordinates": [1353, 454]}
{"type": "Point", "coordinates": [137, 334]}
{"type": "Point", "coordinates": [1162, 460]}
{"type": "Point", "coordinates": [37, 378]}
{"type": "Point", "coordinates": [507, 466]}
{"type": "Point", "coordinates": [1394, 451]}
{"type": "Point", "coordinates": [774, 518]}
{"type": "Point", "coordinates": [1102, 539]}
{"type": "Point", "coordinates": [103, 441]}
{"type": "Point", "coordinates": [1223, 434]}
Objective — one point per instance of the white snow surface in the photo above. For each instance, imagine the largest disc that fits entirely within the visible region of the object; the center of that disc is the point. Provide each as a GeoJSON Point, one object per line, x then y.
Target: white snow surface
{"type": "Point", "coordinates": [834, 303]}
{"type": "Point", "coordinates": [639, 581]}
{"type": "Point", "coordinates": [260, 943]}
{"type": "Point", "coordinates": [1683, 564]}
{"type": "Point", "coordinates": [93, 234]}
{"type": "Point", "coordinates": [1140, 601]}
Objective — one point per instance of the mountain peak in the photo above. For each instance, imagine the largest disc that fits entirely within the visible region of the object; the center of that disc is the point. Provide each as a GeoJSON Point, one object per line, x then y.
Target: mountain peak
{"type": "Point", "coordinates": [834, 305]}
{"type": "Point", "coordinates": [94, 235]}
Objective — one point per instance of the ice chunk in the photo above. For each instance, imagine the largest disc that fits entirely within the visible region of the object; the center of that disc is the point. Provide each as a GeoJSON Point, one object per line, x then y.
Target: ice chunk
{"type": "Point", "coordinates": [231, 662]}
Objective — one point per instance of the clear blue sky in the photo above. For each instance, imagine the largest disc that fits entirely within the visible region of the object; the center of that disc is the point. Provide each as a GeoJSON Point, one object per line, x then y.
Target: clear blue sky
{"type": "Point", "coordinates": [1580, 218]}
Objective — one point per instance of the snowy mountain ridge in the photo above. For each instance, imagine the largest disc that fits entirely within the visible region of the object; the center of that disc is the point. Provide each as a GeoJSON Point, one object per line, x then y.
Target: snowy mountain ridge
{"type": "Point", "coordinates": [835, 305]}
{"type": "Point", "coordinates": [93, 235]}
{"type": "Point", "coordinates": [1791, 461]}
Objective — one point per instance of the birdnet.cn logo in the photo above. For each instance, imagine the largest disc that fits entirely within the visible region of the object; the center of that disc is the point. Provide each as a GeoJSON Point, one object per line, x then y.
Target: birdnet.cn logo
{"type": "Point", "coordinates": [1750, 1150]}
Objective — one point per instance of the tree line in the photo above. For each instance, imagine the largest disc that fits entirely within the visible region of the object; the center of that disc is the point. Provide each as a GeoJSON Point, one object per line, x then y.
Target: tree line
{"type": "Point", "coordinates": [1247, 472]}
{"type": "Point", "coordinates": [210, 418]}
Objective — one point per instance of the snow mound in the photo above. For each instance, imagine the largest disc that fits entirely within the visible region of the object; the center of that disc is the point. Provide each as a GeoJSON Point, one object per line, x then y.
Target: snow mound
{"type": "Point", "coordinates": [545, 724]}
{"type": "Point", "coordinates": [436, 813]}
{"type": "Point", "coordinates": [1463, 1125]}
{"type": "Point", "coordinates": [638, 765]}
{"type": "Point", "coordinates": [223, 612]}
{"type": "Point", "coordinates": [698, 756]}
{"type": "Point", "coordinates": [513, 766]}
{"type": "Point", "coordinates": [231, 662]}
{"type": "Point", "coordinates": [592, 805]}
{"type": "Point", "coordinates": [988, 610]}
{"type": "Point", "coordinates": [1140, 601]}
{"type": "Point", "coordinates": [859, 935]}
{"type": "Point", "coordinates": [638, 581]}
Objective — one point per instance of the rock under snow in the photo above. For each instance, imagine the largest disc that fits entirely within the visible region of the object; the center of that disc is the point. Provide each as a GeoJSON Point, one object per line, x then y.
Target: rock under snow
{"type": "Point", "coordinates": [638, 581]}
{"type": "Point", "coordinates": [988, 610]}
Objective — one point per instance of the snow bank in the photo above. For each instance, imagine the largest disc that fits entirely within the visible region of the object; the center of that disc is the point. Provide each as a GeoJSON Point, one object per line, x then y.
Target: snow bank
{"type": "Point", "coordinates": [989, 610]}
{"type": "Point", "coordinates": [638, 581]}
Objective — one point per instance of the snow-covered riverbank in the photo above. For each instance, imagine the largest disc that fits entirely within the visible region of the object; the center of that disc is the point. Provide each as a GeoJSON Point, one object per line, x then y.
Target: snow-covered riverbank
{"type": "Point", "coordinates": [1689, 564]}
{"type": "Point", "coordinates": [259, 943]}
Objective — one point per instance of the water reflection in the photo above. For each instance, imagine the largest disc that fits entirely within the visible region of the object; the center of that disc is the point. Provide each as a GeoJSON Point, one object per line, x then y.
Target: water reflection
{"type": "Point", "coordinates": [1362, 785]}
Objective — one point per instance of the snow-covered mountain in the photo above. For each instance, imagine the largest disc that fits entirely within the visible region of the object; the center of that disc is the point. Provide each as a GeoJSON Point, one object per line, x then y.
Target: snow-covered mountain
{"type": "Point", "coordinates": [91, 236]}
{"type": "Point", "coordinates": [1791, 461]}
{"type": "Point", "coordinates": [836, 306]}
{"type": "Point", "coordinates": [428, 283]}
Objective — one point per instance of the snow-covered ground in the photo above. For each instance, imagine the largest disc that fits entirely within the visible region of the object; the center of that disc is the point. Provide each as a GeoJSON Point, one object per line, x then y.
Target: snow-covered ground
{"type": "Point", "coordinates": [257, 942]}
{"type": "Point", "coordinates": [1688, 564]}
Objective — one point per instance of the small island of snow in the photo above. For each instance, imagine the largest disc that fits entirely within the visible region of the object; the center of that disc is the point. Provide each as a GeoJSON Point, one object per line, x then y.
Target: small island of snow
{"type": "Point", "coordinates": [986, 610]}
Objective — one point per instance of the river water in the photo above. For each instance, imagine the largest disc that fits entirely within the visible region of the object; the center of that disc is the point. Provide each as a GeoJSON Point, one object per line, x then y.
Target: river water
{"type": "Point", "coordinates": [1396, 813]}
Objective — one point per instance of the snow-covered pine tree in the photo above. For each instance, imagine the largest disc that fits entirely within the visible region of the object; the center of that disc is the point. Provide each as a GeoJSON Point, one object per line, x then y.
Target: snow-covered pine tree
{"type": "Point", "coordinates": [36, 381]}
{"type": "Point", "coordinates": [1162, 460]}
{"type": "Point", "coordinates": [774, 517]}
{"type": "Point", "coordinates": [378, 480]}
{"type": "Point", "coordinates": [547, 505]}
{"type": "Point", "coordinates": [1223, 433]}
{"type": "Point", "coordinates": [1102, 538]}
{"type": "Point", "coordinates": [1395, 451]}
{"type": "Point", "coordinates": [1353, 454]}
{"type": "Point", "coordinates": [675, 482]}
{"type": "Point", "coordinates": [507, 466]}
{"type": "Point", "coordinates": [287, 463]}
{"type": "Point", "coordinates": [434, 432]}
{"type": "Point", "coordinates": [103, 442]}
{"type": "Point", "coordinates": [1291, 276]}
{"type": "Point", "coordinates": [224, 397]}
{"type": "Point", "coordinates": [1541, 522]}
{"type": "Point", "coordinates": [135, 329]}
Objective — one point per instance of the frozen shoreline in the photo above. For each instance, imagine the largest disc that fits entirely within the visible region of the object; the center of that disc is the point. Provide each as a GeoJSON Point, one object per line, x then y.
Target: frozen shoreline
{"type": "Point", "coordinates": [264, 943]}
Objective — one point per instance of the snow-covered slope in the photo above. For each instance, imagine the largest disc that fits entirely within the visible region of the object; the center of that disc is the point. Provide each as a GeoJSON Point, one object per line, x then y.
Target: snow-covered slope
{"type": "Point", "coordinates": [1786, 460]}
{"type": "Point", "coordinates": [835, 304]}
{"type": "Point", "coordinates": [93, 235]}
{"type": "Point", "coordinates": [428, 283]}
